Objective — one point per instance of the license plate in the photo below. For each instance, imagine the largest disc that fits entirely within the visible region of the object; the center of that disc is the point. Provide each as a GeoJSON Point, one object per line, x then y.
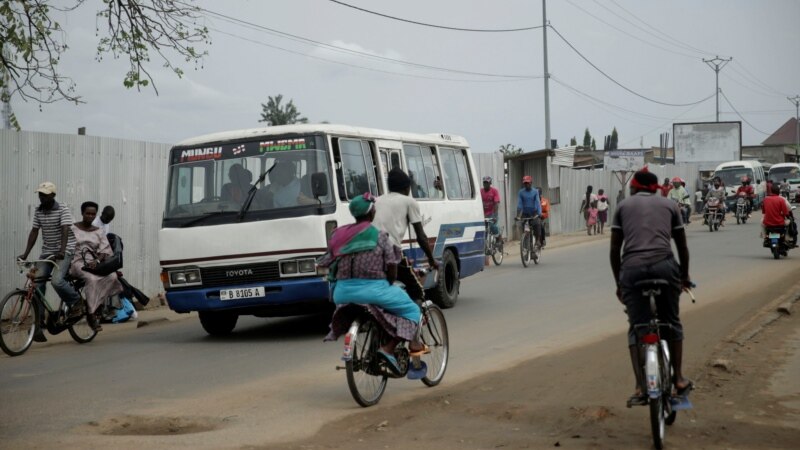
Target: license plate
{"type": "Point", "coordinates": [234, 294]}
{"type": "Point", "coordinates": [774, 236]}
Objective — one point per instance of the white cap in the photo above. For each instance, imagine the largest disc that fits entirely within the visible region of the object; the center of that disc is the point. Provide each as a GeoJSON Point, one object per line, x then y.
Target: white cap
{"type": "Point", "coordinates": [46, 188]}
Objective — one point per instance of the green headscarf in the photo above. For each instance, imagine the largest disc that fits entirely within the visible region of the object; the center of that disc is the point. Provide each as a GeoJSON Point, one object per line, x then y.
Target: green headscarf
{"type": "Point", "coordinates": [361, 206]}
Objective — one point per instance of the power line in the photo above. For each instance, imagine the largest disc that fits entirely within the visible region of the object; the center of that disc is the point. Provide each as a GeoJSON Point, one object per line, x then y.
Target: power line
{"type": "Point", "coordinates": [629, 34]}
{"type": "Point", "coordinates": [665, 123]}
{"type": "Point", "coordinates": [400, 19]}
{"type": "Point", "coordinates": [755, 79]}
{"type": "Point", "coordinates": [584, 94]}
{"type": "Point", "coordinates": [740, 116]}
{"type": "Point", "coordinates": [254, 41]}
{"type": "Point", "coordinates": [682, 44]}
{"type": "Point", "coordinates": [313, 42]}
{"type": "Point", "coordinates": [620, 84]}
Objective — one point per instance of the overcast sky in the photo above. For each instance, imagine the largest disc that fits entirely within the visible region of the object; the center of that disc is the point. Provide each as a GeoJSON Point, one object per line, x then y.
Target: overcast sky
{"type": "Point", "coordinates": [654, 48]}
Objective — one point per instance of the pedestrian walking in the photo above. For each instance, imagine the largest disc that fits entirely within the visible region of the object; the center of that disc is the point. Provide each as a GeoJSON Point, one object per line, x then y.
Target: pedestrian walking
{"type": "Point", "coordinates": [602, 209]}
{"type": "Point", "coordinates": [586, 205]}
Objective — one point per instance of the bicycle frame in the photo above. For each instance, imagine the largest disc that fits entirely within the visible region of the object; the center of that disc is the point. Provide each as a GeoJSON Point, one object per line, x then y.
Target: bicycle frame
{"type": "Point", "coordinates": [33, 291]}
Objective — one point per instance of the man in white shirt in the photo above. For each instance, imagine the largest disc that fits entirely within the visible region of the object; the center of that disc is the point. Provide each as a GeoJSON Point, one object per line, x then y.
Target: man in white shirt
{"type": "Point", "coordinates": [103, 221]}
{"type": "Point", "coordinates": [394, 212]}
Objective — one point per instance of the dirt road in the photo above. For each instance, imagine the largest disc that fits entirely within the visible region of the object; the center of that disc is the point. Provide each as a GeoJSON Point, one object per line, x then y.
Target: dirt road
{"type": "Point", "coordinates": [747, 396]}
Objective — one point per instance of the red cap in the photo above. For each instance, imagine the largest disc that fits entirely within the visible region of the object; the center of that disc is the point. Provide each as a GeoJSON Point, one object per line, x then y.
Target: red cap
{"type": "Point", "coordinates": [527, 179]}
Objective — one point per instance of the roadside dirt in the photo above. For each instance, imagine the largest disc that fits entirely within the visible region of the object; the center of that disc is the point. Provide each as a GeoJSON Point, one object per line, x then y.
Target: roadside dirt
{"type": "Point", "coordinates": [576, 398]}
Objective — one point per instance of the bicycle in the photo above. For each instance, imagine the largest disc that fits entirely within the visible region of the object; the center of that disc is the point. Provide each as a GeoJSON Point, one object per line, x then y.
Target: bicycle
{"type": "Point", "coordinates": [658, 379]}
{"type": "Point", "coordinates": [492, 245]}
{"type": "Point", "coordinates": [368, 373]}
{"type": "Point", "coordinates": [20, 309]}
{"type": "Point", "coordinates": [529, 247]}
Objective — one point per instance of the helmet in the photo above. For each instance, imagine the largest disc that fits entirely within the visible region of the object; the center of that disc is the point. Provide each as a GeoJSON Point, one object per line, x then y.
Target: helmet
{"type": "Point", "coordinates": [677, 180]}
{"type": "Point", "coordinates": [527, 179]}
{"type": "Point", "coordinates": [487, 179]}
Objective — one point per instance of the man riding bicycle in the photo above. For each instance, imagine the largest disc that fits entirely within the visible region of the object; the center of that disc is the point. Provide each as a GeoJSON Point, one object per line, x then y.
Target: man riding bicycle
{"type": "Point", "coordinates": [491, 205]}
{"type": "Point", "coordinates": [529, 206]}
{"type": "Point", "coordinates": [645, 223]}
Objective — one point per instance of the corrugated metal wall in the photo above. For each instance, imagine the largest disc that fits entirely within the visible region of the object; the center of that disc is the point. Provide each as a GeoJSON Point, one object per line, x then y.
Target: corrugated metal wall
{"type": "Point", "coordinates": [129, 175]}
{"type": "Point", "coordinates": [574, 182]}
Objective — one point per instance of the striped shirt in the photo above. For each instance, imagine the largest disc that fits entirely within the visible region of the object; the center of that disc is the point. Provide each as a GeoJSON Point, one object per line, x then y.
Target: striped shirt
{"type": "Point", "coordinates": [50, 222]}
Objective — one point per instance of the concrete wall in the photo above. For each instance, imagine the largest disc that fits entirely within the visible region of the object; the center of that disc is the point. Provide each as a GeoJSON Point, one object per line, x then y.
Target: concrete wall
{"type": "Point", "coordinates": [129, 175]}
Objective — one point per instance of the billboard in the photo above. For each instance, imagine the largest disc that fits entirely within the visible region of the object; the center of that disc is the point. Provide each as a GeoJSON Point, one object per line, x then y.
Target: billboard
{"type": "Point", "coordinates": [623, 159]}
{"type": "Point", "coordinates": [707, 142]}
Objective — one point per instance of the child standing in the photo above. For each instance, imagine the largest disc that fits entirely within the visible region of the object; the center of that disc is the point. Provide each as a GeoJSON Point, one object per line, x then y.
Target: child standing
{"type": "Point", "coordinates": [591, 222]}
{"type": "Point", "coordinates": [602, 209]}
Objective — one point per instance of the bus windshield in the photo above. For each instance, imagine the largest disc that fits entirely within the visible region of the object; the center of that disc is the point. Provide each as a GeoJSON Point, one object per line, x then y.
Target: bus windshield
{"type": "Point", "coordinates": [777, 174]}
{"type": "Point", "coordinates": [733, 176]}
{"type": "Point", "coordinates": [213, 181]}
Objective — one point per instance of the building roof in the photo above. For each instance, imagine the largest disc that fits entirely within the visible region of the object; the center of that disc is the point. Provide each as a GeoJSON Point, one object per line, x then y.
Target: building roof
{"type": "Point", "coordinates": [785, 135]}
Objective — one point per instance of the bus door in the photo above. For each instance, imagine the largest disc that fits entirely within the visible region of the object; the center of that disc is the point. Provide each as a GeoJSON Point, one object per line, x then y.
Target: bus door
{"type": "Point", "coordinates": [390, 158]}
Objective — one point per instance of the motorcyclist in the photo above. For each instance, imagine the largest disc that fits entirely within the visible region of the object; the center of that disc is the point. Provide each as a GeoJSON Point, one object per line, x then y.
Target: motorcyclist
{"type": "Point", "coordinates": [776, 210]}
{"type": "Point", "coordinates": [718, 192]}
{"type": "Point", "coordinates": [749, 193]}
{"type": "Point", "coordinates": [679, 194]}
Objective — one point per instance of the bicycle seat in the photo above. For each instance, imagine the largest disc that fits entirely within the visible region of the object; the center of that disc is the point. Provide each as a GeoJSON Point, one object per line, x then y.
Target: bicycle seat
{"type": "Point", "coordinates": [651, 283]}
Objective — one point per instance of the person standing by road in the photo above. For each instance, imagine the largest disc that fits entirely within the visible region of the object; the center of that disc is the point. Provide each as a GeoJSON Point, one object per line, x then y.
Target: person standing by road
{"type": "Point", "coordinates": [588, 199]}
{"type": "Point", "coordinates": [645, 224]}
{"type": "Point", "coordinates": [58, 243]}
{"type": "Point", "coordinates": [529, 205]}
{"type": "Point", "coordinates": [491, 206]}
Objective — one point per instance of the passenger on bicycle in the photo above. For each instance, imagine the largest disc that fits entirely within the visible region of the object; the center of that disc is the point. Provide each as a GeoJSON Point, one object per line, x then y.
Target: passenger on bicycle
{"type": "Point", "coordinates": [363, 267]}
{"type": "Point", "coordinates": [58, 243]}
{"type": "Point", "coordinates": [394, 213]}
{"type": "Point", "coordinates": [529, 206]}
{"type": "Point", "coordinates": [92, 247]}
{"type": "Point", "coordinates": [491, 205]}
{"type": "Point", "coordinates": [645, 223]}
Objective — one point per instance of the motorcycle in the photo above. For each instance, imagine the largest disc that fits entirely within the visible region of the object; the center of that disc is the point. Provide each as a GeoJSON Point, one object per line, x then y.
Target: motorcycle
{"type": "Point", "coordinates": [777, 240]}
{"type": "Point", "coordinates": [713, 214]}
{"type": "Point", "coordinates": [741, 208]}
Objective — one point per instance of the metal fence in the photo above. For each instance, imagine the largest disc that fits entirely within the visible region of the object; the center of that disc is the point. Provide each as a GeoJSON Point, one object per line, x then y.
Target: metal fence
{"type": "Point", "coordinates": [574, 183]}
{"type": "Point", "coordinates": [129, 175]}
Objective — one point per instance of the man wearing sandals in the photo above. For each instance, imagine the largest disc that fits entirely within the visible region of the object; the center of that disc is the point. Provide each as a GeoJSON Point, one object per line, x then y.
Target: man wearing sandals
{"type": "Point", "coordinates": [645, 223]}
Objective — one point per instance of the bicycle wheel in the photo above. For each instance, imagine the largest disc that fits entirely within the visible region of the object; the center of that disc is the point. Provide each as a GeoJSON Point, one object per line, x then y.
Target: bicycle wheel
{"type": "Point", "coordinates": [81, 331]}
{"type": "Point", "coordinates": [17, 323]}
{"type": "Point", "coordinates": [497, 253]}
{"type": "Point", "coordinates": [525, 249]}
{"type": "Point", "coordinates": [434, 335]}
{"type": "Point", "coordinates": [364, 378]}
{"type": "Point", "coordinates": [537, 253]}
{"type": "Point", "coordinates": [657, 420]}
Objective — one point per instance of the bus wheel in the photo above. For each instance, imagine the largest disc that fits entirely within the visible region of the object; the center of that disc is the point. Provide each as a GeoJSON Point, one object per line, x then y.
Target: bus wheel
{"type": "Point", "coordinates": [445, 294]}
{"type": "Point", "coordinates": [218, 323]}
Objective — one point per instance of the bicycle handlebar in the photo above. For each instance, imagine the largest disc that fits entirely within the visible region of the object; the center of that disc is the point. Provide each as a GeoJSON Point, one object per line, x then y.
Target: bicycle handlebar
{"type": "Point", "coordinates": [30, 264]}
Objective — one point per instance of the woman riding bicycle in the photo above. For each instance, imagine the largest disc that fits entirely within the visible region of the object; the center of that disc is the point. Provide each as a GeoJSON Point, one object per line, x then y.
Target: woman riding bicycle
{"type": "Point", "coordinates": [363, 267]}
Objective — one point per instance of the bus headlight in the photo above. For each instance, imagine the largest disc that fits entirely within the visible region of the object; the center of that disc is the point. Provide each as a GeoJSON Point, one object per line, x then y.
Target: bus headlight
{"type": "Point", "coordinates": [289, 268]}
{"type": "Point", "coordinates": [298, 267]}
{"type": "Point", "coordinates": [185, 277]}
{"type": "Point", "coordinates": [307, 265]}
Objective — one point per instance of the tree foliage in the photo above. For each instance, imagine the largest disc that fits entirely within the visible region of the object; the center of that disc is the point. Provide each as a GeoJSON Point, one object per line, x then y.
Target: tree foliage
{"type": "Point", "coordinates": [587, 139]}
{"type": "Point", "coordinates": [594, 145]}
{"type": "Point", "coordinates": [134, 29]}
{"type": "Point", "coordinates": [573, 141]}
{"type": "Point", "coordinates": [510, 150]}
{"type": "Point", "coordinates": [273, 113]}
{"type": "Point", "coordinates": [614, 139]}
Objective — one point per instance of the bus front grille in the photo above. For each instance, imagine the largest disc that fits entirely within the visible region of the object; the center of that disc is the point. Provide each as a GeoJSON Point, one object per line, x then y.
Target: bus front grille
{"type": "Point", "coordinates": [244, 273]}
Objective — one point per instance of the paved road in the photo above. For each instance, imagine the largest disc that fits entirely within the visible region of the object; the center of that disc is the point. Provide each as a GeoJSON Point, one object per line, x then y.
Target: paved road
{"type": "Point", "coordinates": [275, 380]}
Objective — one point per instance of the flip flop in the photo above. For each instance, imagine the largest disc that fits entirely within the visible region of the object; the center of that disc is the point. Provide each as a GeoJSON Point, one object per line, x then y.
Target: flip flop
{"type": "Point", "coordinates": [394, 366]}
{"type": "Point", "coordinates": [637, 400]}
{"type": "Point", "coordinates": [424, 351]}
{"type": "Point", "coordinates": [686, 389]}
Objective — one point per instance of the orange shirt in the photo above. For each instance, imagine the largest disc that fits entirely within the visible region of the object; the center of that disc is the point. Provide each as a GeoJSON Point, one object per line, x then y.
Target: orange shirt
{"type": "Point", "coordinates": [545, 208]}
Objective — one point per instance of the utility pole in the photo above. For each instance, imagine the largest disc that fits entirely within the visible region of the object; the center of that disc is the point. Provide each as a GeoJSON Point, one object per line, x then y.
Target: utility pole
{"type": "Point", "coordinates": [717, 64]}
{"type": "Point", "coordinates": [796, 101]}
{"type": "Point", "coordinates": [547, 143]}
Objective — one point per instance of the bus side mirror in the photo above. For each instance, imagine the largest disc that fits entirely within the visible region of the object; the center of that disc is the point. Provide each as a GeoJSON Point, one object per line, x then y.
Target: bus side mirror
{"type": "Point", "coordinates": [319, 184]}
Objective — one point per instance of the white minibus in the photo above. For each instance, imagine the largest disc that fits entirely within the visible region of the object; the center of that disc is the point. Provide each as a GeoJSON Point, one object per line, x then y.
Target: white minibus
{"type": "Point", "coordinates": [731, 174]}
{"type": "Point", "coordinates": [226, 251]}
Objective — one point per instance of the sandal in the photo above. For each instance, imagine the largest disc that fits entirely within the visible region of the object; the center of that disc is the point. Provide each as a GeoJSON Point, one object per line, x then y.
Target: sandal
{"type": "Point", "coordinates": [394, 366]}
{"type": "Point", "coordinates": [682, 392]}
{"type": "Point", "coordinates": [637, 400]}
{"type": "Point", "coordinates": [422, 351]}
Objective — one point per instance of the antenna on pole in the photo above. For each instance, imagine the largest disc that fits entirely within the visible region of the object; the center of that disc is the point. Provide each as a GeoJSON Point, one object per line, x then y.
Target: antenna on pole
{"type": "Point", "coordinates": [717, 64]}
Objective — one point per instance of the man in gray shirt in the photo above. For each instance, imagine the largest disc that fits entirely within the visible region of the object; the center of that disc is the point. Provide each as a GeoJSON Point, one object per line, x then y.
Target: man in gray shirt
{"type": "Point", "coordinates": [642, 229]}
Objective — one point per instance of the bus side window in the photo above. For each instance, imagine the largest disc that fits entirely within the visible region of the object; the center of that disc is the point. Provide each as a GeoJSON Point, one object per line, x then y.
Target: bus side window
{"type": "Point", "coordinates": [432, 173]}
{"type": "Point", "coordinates": [452, 184]}
{"type": "Point", "coordinates": [416, 171]}
{"type": "Point", "coordinates": [395, 160]}
{"type": "Point", "coordinates": [355, 168]}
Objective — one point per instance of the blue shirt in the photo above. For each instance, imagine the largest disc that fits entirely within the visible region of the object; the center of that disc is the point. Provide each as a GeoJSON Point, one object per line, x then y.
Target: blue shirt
{"type": "Point", "coordinates": [528, 202]}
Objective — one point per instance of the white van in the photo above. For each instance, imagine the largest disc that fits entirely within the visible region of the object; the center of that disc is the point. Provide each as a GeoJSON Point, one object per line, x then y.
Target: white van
{"type": "Point", "coordinates": [731, 174]}
{"type": "Point", "coordinates": [789, 172]}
